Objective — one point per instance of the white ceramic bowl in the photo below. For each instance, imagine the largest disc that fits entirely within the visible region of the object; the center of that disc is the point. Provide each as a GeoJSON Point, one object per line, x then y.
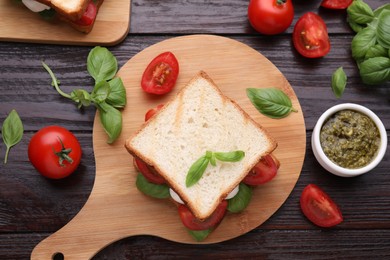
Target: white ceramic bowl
{"type": "Point", "coordinates": [331, 166]}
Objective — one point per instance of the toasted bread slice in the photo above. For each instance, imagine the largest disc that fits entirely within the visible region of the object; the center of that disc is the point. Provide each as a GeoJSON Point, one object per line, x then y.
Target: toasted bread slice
{"type": "Point", "coordinates": [197, 119]}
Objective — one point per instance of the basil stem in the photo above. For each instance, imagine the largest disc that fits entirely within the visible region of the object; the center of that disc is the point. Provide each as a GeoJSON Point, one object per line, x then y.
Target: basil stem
{"type": "Point", "coordinates": [239, 202]}
{"type": "Point", "coordinates": [271, 102]}
{"type": "Point", "coordinates": [339, 80]}
{"type": "Point", "coordinates": [12, 131]}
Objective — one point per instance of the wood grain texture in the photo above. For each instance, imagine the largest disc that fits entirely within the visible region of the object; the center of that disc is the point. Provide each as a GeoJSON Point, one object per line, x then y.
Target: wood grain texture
{"type": "Point", "coordinates": [20, 24]}
{"type": "Point", "coordinates": [114, 191]}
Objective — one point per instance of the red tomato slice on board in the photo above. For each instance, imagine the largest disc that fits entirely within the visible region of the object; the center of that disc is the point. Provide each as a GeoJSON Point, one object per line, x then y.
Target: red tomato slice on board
{"type": "Point", "coordinates": [310, 36]}
{"type": "Point", "coordinates": [336, 4]}
{"type": "Point", "coordinates": [89, 15]}
{"type": "Point", "coordinates": [263, 172]}
{"type": "Point", "coordinates": [148, 172]}
{"type": "Point", "coordinates": [161, 74]}
{"type": "Point", "coordinates": [319, 208]}
{"type": "Point", "coordinates": [191, 222]}
{"type": "Point", "coordinates": [270, 16]}
{"type": "Point", "coordinates": [152, 111]}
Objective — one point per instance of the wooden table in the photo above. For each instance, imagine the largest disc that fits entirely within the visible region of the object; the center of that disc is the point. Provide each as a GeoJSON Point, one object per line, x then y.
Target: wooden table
{"type": "Point", "coordinates": [32, 208]}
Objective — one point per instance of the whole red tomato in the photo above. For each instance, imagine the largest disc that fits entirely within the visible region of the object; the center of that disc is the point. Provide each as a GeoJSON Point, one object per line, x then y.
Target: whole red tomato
{"type": "Point", "coordinates": [54, 152]}
{"type": "Point", "coordinates": [270, 16]}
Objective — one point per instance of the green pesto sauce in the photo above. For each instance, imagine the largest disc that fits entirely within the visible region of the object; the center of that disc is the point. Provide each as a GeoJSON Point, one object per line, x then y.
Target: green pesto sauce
{"type": "Point", "coordinates": [350, 139]}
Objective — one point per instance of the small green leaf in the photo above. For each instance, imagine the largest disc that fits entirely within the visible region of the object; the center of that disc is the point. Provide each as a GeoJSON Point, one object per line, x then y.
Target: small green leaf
{"type": "Point", "coordinates": [375, 70]}
{"type": "Point", "coordinates": [199, 235]}
{"type": "Point", "coordinates": [362, 42]}
{"type": "Point", "coordinates": [233, 156]}
{"type": "Point", "coordinates": [101, 64]}
{"type": "Point", "coordinates": [376, 51]}
{"type": "Point", "coordinates": [117, 96]}
{"type": "Point", "coordinates": [239, 202]}
{"type": "Point", "coordinates": [81, 97]}
{"type": "Point", "coordinates": [111, 119]}
{"type": "Point", "coordinates": [339, 81]}
{"type": "Point", "coordinates": [100, 92]}
{"type": "Point", "coordinates": [359, 12]}
{"type": "Point", "coordinates": [158, 191]}
{"type": "Point", "coordinates": [196, 170]}
{"type": "Point", "coordinates": [271, 102]}
{"type": "Point", "coordinates": [383, 29]}
{"type": "Point", "coordinates": [379, 10]}
{"type": "Point", "coordinates": [12, 131]}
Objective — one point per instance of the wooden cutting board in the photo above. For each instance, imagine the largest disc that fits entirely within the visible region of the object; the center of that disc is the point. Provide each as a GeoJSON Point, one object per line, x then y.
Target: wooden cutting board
{"type": "Point", "coordinates": [116, 209]}
{"type": "Point", "coordinates": [18, 24]}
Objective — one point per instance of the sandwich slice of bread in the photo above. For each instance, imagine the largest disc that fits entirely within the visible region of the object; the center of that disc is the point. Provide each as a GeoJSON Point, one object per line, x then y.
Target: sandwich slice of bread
{"type": "Point", "coordinates": [80, 14]}
{"type": "Point", "coordinates": [200, 118]}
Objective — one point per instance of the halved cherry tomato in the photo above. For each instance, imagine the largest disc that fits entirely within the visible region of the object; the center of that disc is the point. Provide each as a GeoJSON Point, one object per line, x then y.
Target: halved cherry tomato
{"type": "Point", "coordinates": [152, 111]}
{"type": "Point", "coordinates": [89, 15]}
{"type": "Point", "coordinates": [148, 172]}
{"type": "Point", "coordinates": [263, 172]}
{"type": "Point", "coordinates": [310, 36]}
{"type": "Point", "coordinates": [191, 222]}
{"type": "Point", "coordinates": [319, 208]}
{"type": "Point", "coordinates": [161, 74]}
{"type": "Point", "coordinates": [336, 4]}
{"type": "Point", "coordinates": [270, 16]}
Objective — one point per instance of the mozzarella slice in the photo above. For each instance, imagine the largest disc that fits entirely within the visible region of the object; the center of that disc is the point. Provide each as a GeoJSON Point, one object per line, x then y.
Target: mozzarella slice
{"type": "Point", "coordinates": [232, 193]}
{"type": "Point", "coordinates": [35, 6]}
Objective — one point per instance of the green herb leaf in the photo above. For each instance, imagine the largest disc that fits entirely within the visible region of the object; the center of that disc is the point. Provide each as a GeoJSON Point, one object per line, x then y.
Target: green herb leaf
{"type": "Point", "coordinates": [339, 81]}
{"type": "Point", "coordinates": [239, 202]}
{"type": "Point", "coordinates": [233, 156]}
{"type": "Point", "coordinates": [379, 10]}
{"type": "Point", "coordinates": [158, 191]}
{"type": "Point", "coordinates": [101, 64]}
{"type": "Point", "coordinates": [383, 29]}
{"type": "Point", "coordinates": [12, 131]}
{"type": "Point", "coordinates": [100, 92]}
{"type": "Point", "coordinates": [375, 70]}
{"type": "Point", "coordinates": [81, 97]}
{"type": "Point", "coordinates": [199, 235]}
{"type": "Point", "coordinates": [362, 42]}
{"type": "Point", "coordinates": [355, 26]}
{"type": "Point", "coordinates": [111, 119]}
{"type": "Point", "coordinates": [117, 96]}
{"type": "Point", "coordinates": [376, 51]}
{"type": "Point", "coordinates": [271, 102]}
{"type": "Point", "coordinates": [196, 170]}
{"type": "Point", "coordinates": [359, 12]}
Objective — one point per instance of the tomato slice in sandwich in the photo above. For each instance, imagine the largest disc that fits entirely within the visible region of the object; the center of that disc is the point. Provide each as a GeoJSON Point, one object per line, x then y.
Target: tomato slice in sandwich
{"type": "Point", "coordinates": [152, 111]}
{"type": "Point", "coordinates": [192, 223]}
{"type": "Point", "coordinates": [263, 172]}
{"type": "Point", "coordinates": [149, 172]}
{"type": "Point", "coordinates": [89, 15]}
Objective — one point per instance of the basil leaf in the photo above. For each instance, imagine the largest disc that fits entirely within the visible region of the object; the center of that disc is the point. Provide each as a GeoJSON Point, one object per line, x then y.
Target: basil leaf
{"type": "Point", "coordinates": [383, 29]}
{"type": "Point", "coordinates": [158, 191]}
{"type": "Point", "coordinates": [339, 80]}
{"type": "Point", "coordinates": [355, 26]}
{"type": "Point", "coordinates": [375, 70]}
{"type": "Point", "coordinates": [239, 202]}
{"type": "Point", "coordinates": [81, 97]}
{"type": "Point", "coordinates": [100, 92]}
{"type": "Point", "coordinates": [271, 102]}
{"type": "Point", "coordinates": [101, 64]}
{"type": "Point", "coordinates": [376, 51]}
{"type": "Point", "coordinates": [233, 156]}
{"type": "Point", "coordinates": [12, 131]}
{"type": "Point", "coordinates": [117, 96]}
{"type": "Point", "coordinates": [199, 235]}
{"type": "Point", "coordinates": [359, 12]}
{"type": "Point", "coordinates": [363, 41]}
{"type": "Point", "coordinates": [111, 119]}
{"type": "Point", "coordinates": [196, 171]}
{"type": "Point", "coordinates": [379, 10]}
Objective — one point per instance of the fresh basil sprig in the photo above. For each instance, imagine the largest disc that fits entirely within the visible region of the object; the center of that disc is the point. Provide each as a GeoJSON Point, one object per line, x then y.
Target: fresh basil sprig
{"type": "Point", "coordinates": [199, 166]}
{"type": "Point", "coordinates": [108, 94]}
{"type": "Point", "coordinates": [271, 102]}
{"type": "Point", "coordinates": [339, 81]}
{"type": "Point", "coordinates": [12, 131]}
{"type": "Point", "coordinates": [239, 202]}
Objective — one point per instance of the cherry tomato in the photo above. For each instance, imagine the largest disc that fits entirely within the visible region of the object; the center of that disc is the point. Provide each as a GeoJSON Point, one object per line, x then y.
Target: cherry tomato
{"type": "Point", "coordinates": [148, 172]}
{"type": "Point", "coordinates": [152, 111]}
{"type": "Point", "coordinates": [161, 74]}
{"type": "Point", "coordinates": [270, 16]}
{"type": "Point", "coordinates": [336, 4]}
{"type": "Point", "coordinates": [191, 222]}
{"type": "Point", "coordinates": [89, 15]}
{"type": "Point", "coordinates": [54, 152]}
{"type": "Point", "coordinates": [310, 36]}
{"type": "Point", "coordinates": [263, 172]}
{"type": "Point", "coordinates": [319, 208]}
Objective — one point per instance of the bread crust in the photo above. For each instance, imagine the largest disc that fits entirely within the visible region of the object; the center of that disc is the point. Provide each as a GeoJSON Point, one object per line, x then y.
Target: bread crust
{"type": "Point", "coordinates": [183, 195]}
